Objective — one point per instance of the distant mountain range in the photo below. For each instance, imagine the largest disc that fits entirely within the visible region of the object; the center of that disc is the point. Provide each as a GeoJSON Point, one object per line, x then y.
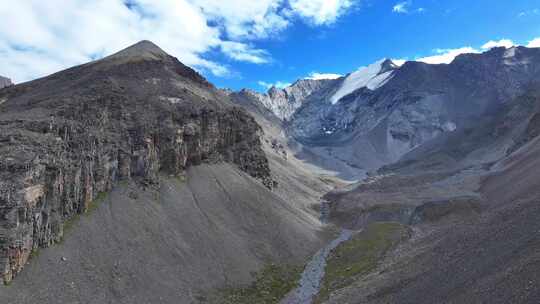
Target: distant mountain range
{"type": "Point", "coordinates": [375, 115]}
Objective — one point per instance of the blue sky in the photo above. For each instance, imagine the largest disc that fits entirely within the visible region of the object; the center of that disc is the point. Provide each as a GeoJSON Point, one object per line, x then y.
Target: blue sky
{"type": "Point", "coordinates": [257, 43]}
{"type": "Point", "coordinates": [374, 30]}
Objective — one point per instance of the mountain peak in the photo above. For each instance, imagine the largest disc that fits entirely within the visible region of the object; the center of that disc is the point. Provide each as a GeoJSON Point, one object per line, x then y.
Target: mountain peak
{"type": "Point", "coordinates": [387, 65]}
{"type": "Point", "coordinates": [142, 50]}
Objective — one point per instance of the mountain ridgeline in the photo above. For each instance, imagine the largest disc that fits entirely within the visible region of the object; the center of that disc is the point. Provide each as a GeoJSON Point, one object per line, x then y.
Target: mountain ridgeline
{"type": "Point", "coordinates": [376, 115]}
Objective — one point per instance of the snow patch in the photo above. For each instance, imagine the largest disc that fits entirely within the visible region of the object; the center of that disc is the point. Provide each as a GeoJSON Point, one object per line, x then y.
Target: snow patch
{"type": "Point", "coordinates": [153, 81]}
{"type": "Point", "coordinates": [449, 126]}
{"type": "Point", "coordinates": [510, 53]}
{"type": "Point", "coordinates": [173, 100]}
{"type": "Point", "coordinates": [323, 76]}
{"type": "Point", "coordinates": [365, 77]}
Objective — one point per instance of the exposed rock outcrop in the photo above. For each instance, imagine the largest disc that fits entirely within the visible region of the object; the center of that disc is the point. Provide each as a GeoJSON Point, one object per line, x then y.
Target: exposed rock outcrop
{"type": "Point", "coordinates": [284, 102]}
{"type": "Point", "coordinates": [5, 82]}
{"type": "Point", "coordinates": [134, 115]}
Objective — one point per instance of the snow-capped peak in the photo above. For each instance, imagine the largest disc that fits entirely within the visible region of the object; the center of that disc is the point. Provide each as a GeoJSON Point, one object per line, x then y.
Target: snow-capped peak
{"type": "Point", "coordinates": [372, 77]}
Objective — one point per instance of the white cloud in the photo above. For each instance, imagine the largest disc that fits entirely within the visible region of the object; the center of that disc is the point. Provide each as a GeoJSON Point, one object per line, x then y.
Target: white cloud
{"type": "Point", "coordinates": [243, 52]}
{"type": "Point", "coordinates": [532, 12]}
{"type": "Point", "coordinates": [402, 7]}
{"type": "Point", "coordinates": [320, 12]}
{"type": "Point", "coordinates": [535, 43]}
{"type": "Point", "coordinates": [507, 43]}
{"type": "Point", "coordinates": [245, 18]}
{"type": "Point", "coordinates": [320, 76]}
{"type": "Point", "coordinates": [48, 38]}
{"type": "Point", "coordinates": [41, 37]}
{"type": "Point", "coordinates": [278, 84]}
{"type": "Point", "coordinates": [446, 55]}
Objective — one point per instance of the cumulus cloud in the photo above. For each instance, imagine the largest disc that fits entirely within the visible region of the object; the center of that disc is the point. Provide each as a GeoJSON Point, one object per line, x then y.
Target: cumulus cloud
{"type": "Point", "coordinates": [507, 43]}
{"type": "Point", "coordinates": [535, 43]}
{"type": "Point", "coordinates": [278, 84]}
{"type": "Point", "coordinates": [246, 18]}
{"type": "Point", "coordinates": [243, 52]}
{"type": "Point", "coordinates": [49, 38]}
{"type": "Point", "coordinates": [41, 37]}
{"type": "Point", "coordinates": [320, 76]}
{"type": "Point", "coordinates": [320, 12]}
{"type": "Point", "coordinates": [447, 55]}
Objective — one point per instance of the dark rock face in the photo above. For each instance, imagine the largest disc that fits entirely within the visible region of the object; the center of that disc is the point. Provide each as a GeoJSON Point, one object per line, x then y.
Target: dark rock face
{"type": "Point", "coordinates": [134, 115]}
{"type": "Point", "coordinates": [5, 82]}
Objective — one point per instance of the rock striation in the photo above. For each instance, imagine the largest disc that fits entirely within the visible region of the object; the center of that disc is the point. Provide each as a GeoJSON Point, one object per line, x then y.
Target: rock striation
{"type": "Point", "coordinates": [134, 115]}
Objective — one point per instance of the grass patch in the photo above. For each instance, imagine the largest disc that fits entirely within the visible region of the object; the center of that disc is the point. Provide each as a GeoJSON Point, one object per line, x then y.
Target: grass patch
{"type": "Point", "coordinates": [180, 179]}
{"type": "Point", "coordinates": [34, 254]}
{"type": "Point", "coordinates": [96, 202]}
{"type": "Point", "coordinates": [359, 256]}
{"type": "Point", "coordinates": [70, 222]}
{"type": "Point", "coordinates": [271, 284]}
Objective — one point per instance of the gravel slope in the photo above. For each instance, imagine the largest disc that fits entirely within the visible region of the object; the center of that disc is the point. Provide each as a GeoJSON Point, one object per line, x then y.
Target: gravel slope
{"type": "Point", "coordinates": [170, 245]}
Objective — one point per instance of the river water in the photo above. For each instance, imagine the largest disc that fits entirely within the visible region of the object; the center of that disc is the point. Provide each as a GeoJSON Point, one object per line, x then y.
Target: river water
{"type": "Point", "coordinates": [313, 274]}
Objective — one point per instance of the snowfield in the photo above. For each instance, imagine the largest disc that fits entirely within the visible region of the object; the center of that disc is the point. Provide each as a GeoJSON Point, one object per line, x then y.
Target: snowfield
{"type": "Point", "coordinates": [369, 77]}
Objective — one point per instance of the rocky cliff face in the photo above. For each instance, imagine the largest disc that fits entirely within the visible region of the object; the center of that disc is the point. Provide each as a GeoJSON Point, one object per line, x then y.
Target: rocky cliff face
{"type": "Point", "coordinates": [284, 102]}
{"type": "Point", "coordinates": [134, 115]}
{"type": "Point", "coordinates": [5, 82]}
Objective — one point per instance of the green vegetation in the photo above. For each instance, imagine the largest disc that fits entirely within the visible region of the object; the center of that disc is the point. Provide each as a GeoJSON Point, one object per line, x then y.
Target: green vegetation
{"type": "Point", "coordinates": [359, 256]}
{"type": "Point", "coordinates": [34, 253]}
{"type": "Point", "coordinates": [96, 202]}
{"type": "Point", "coordinates": [69, 223]}
{"type": "Point", "coordinates": [180, 178]}
{"type": "Point", "coordinates": [270, 286]}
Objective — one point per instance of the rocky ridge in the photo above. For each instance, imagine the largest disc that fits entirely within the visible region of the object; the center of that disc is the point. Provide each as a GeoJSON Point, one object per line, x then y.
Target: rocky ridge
{"type": "Point", "coordinates": [284, 102]}
{"type": "Point", "coordinates": [134, 115]}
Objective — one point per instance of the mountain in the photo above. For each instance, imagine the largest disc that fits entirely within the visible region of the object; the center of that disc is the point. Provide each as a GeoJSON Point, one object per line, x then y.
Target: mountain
{"type": "Point", "coordinates": [444, 164]}
{"type": "Point", "coordinates": [471, 199]}
{"type": "Point", "coordinates": [376, 115]}
{"type": "Point", "coordinates": [284, 102]}
{"type": "Point", "coordinates": [5, 82]}
{"type": "Point", "coordinates": [140, 182]}
{"type": "Point", "coordinates": [146, 183]}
